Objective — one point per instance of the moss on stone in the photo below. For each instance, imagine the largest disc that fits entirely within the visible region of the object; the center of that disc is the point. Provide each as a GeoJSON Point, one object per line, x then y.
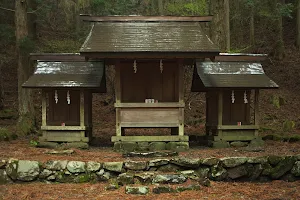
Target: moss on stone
{"type": "Point", "coordinates": [82, 178]}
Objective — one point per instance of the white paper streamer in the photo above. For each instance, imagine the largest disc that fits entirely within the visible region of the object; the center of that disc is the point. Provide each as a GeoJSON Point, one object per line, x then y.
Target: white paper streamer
{"type": "Point", "coordinates": [232, 96]}
{"type": "Point", "coordinates": [56, 96]}
{"type": "Point", "coordinates": [134, 66]}
{"type": "Point", "coordinates": [161, 66]}
{"type": "Point", "coordinates": [68, 97]}
{"type": "Point", "coordinates": [245, 97]}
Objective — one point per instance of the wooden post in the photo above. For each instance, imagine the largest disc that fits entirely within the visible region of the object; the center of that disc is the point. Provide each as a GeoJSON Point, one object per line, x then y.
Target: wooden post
{"type": "Point", "coordinates": [118, 97]}
{"type": "Point", "coordinates": [181, 96]}
{"type": "Point", "coordinates": [220, 112]}
{"type": "Point", "coordinates": [256, 110]}
{"type": "Point", "coordinates": [207, 130]}
{"type": "Point", "coordinates": [44, 112]}
{"type": "Point", "coordinates": [44, 108]}
{"type": "Point", "coordinates": [82, 112]}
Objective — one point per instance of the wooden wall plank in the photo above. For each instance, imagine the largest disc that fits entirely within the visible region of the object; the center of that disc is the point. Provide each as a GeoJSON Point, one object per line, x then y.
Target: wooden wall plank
{"type": "Point", "coordinates": [256, 110]}
{"type": "Point", "coordinates": [162, 115]}
{"type": "Point", "coordinates": [44, 108]}
{"type": "Point", "coordinates": [220, 111]}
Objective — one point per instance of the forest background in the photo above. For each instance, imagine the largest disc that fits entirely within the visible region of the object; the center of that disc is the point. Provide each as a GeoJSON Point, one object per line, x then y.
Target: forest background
{"type": "Point", "coordinates": [239, 26]}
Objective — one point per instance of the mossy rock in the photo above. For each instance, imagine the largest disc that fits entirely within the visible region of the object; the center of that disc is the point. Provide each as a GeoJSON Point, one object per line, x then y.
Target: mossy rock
{"type": "Point", "coordinates": [8, 114]}
{"type": "Point", "coordinates": [4, 134]}
{"type": "Point", "coordinates": [283, 167]}
{"type": "Point", "coordinates": [82, 178]}
{"type": "Point", "coordinates": [294, 138]}
{"type": "Point", "coordinates": [26, 125]}
{"type": "Point", "coordinates": [288, 125]}
{"type": "Point", "coordinates": [274, 160]}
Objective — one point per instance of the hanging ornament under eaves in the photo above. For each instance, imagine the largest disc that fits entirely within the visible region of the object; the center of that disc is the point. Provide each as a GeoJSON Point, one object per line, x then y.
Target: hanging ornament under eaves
{"type": "Point", "coordinates": [134, 66]}
{"type": "Point", "coordinates": [245, 97]}
{"type": "Point", "coordinates": [161, 66]}
{"type": "Point", "coordinates": [56, 96]}
{"type": "Point", "coordinates": [232, 96]}
{"type": "Point", "coordinates": [68, 97]}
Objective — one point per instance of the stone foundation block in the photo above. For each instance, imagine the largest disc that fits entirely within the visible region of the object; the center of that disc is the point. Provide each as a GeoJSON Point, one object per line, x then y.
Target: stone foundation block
{"type": "Point", "coordinates": [157, 146]}
{"type": "Point", "coordinates": [177, 146]}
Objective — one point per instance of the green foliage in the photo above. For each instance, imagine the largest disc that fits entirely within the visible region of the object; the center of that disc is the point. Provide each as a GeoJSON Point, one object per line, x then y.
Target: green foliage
{"type": "Point", "coordinates": [288, 125]}
{"type": "Point", "coordinates": [284, 138]}
{"type": "Point", "coordinates": [7, 35]}
{"type": "Point", "coordinates": [8, 114]}
{"type": "Point", "coordinates": [115, 7]}
{"type": "Point", "coordinates": [26, 45]}
{"type": "Point", "coordinates": [26, 125]}
{"type": "Point", "coordinates": [33, 143]}
{"type": "Point", "coordinates": [277, 101]}
{"type": "Point", "coordinates": [60, 46]}
{"type": "Point", "coordinates": [187, 8]}
{"type": "Point", "coordinates": [6, 135]}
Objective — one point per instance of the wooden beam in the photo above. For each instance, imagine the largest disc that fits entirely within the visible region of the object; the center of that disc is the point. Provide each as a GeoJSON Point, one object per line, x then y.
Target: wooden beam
{"type": "Point", "coordinates": [44, 108]}
{"type": "Point", "coordinates": [220, 111]}
{"type": "Point", "coordinates": [181, 96]}
{"type": "Point", "coordinates": [118, 82]}
{"type": "Point", "coordinates": [64, 128]}
{"type": "Point", "coordinates": [150, 105]}
{"type": "Point", "coordinates": [235, 127]}
{"type": "Point", "coordinates": [150, 55]}
{"type": "Point", "coordinates": [82, 112]}
{"type": "Point", "coordinates": [241, 57]}
{"type": "Point", "coordinates": [91, 18]}
{"type": "Point", "coordinates": [168, 138]}
{"type": "Point", "coordinates": [57, 57]}
{"type": "Point", "coordinates": [148, 125]}
{"type": "Point", "coordinates": [50, 138]}
{"type": "Point", "coordinates": [256, 110]}
{"type": "Point", "coordinates": [181, 122]}
{"type": "Point", "coordinates": [118, 93]}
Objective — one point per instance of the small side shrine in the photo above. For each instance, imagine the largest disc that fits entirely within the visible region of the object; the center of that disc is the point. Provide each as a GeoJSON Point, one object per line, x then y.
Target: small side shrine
{"type": "Point", "coordinates": [149, 54]}
{"type": "Point", "coordinates": [67, 82]}
{"type": "Point", "coordinates": [231, 83]}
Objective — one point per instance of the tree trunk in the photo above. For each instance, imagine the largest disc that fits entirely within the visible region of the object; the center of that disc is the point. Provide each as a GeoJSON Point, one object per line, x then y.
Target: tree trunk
{"type": "Point", "coordinates": [279, 48]}
{"type": "Point", "coordinates": [1, 90]}
{"type": "Point", "coordinates": [220, 25]}
{"type": "Point", "coordinates": [227, 24]}
{"type": "Point", "coordinates": [252, 27]}
{"type": "Point", "coordinates": [32, 19]}
{"type": "Point", "coordinates": [161, 7]}
{"type": "Point", "coordinates": [24, 97]}
{"type": "Point", "coordinates": [153, 7]}
{"type": "Point", "coordinates": [298, 24]}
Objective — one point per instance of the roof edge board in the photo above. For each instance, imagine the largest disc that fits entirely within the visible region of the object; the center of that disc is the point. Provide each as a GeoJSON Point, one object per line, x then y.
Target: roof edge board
{"type": "Point", "coordinates": [240, 57]}
{"type": "Point", "coordinates": [139, 18]}
{"type": "Point", "coordinates": [57, 57]}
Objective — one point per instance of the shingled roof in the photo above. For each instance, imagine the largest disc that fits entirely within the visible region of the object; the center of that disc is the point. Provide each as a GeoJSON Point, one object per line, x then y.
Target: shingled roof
{"type": "Point", "coordinates": [50, 74]}
{"type": "Point", "coordinates": [212, 75]}
{"type": "Point", "coordinates": [148, 37]}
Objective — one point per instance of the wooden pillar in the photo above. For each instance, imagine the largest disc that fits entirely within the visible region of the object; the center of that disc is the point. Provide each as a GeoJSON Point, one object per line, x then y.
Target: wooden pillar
{"type": "Point", "coordinates": [181, 97]}
{"type": "Point", "coordinates": [220, 112]}
{"type": "Point", "coordinates": [44, 112]}
{"type": "Point", "coordinates": [44, 108]}
{"type": "Point", "coordinates": [256, 110]}
{"type": "Point", "coordinates": [82, 124]}
{"type": "Point", "coordinates": [207, 130]}
{"type": "Point", "coordinates": [118, 97]}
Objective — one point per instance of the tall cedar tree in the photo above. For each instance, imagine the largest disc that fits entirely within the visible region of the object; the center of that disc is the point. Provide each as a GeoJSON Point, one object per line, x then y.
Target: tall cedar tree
{"type": "Point", "coordinates": [21, 23]}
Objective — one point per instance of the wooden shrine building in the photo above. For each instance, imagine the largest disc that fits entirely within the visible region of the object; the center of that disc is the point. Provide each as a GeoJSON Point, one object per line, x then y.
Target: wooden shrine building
{"type": "Point", "coordinates": [231, 83]}
{"type": "Point", "coordinates": [149, 54]}
{"type": "Point", "coordinates": [67, 82]}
